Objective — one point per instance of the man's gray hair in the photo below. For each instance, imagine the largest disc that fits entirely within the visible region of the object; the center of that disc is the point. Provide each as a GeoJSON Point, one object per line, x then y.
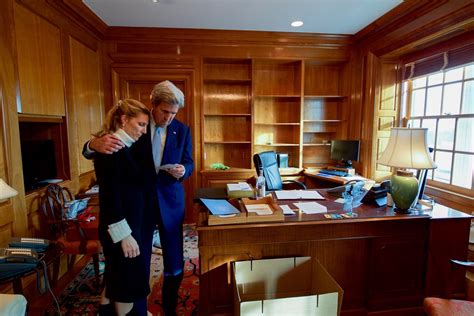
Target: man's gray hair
{"type": "Point", "coordinates": [167, 92]}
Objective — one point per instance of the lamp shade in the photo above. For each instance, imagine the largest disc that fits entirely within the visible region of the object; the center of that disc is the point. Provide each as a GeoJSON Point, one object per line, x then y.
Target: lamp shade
{"type": "Point", "coordinates": [407, 148]}
{"type": "Point", "coordinates": [6, 191]}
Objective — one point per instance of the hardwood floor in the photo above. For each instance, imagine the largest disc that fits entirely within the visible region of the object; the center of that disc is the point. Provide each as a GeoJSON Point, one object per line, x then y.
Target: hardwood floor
{"type": "Point", "coordinates": [38, 303]}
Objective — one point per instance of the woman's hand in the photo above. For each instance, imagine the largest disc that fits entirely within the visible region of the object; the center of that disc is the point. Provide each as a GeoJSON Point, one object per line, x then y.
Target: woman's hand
{"type": "Point", "coordinates": [130, 247]}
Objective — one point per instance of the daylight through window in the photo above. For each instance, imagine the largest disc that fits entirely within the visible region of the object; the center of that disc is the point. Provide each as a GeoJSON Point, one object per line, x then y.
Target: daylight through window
{"type": "Point", "coordinates": [443, 102]}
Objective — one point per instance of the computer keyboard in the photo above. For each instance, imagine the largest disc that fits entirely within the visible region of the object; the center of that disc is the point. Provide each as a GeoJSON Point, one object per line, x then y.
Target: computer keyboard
{"type": "Point", "coordinates": [338, 173]}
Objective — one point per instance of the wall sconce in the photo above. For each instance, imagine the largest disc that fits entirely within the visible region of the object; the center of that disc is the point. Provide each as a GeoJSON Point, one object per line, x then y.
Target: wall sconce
{"type": "Point", "coordinates": [6, 191]}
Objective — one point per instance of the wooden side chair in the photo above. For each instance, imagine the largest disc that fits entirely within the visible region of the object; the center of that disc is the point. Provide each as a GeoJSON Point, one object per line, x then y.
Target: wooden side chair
{"type": "Point", "coordinates": [67, 233]}
{"type": "Point", "coordinates": [61, 194]}
{"type": "Point", "coordinates": [435, 306]}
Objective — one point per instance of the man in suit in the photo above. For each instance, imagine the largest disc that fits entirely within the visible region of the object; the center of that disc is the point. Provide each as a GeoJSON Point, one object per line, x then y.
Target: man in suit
{"type": "Point", "coordinates": [165, 154]}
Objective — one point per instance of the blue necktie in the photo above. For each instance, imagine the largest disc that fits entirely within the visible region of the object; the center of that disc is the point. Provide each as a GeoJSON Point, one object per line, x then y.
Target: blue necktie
{"type": "Point", "coordinates": [156, 146]}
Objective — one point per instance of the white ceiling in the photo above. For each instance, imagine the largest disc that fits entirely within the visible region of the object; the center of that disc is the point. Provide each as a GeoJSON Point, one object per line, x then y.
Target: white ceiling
{"type": "Point", "coordinates": [319, 16]}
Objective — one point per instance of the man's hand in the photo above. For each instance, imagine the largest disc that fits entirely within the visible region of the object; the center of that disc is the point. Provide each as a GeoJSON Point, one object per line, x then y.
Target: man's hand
{"type": "Point", "coordinates": [177, 172]}
{"type": "Point", "coordinates": [130, 247]}
{"type": "Point", "coordinates": [107, 144]}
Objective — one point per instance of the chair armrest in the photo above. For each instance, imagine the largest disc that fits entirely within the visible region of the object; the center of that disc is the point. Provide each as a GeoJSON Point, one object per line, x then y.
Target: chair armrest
{"type": "Point", "coordinates": [294, 184]}
{"type": "Point", "coordinates": [467, 264]}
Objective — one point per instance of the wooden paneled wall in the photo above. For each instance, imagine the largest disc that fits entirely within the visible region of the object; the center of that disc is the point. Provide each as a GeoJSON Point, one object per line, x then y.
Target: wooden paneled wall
{"type": "Point", "coordinates": [411, 31]}
{"type": "Point", "coordinates": [175, 50]}
{"type": "Point", "coordinates": [95, 59]}
{"type": "Point", "coordinates": [51, 71]}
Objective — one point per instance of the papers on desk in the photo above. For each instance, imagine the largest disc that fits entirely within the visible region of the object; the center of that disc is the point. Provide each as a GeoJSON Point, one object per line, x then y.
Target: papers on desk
{"type": "Point", "coordinates": [287, 210]}
{"type": "Point", "coordinates": [239, 190]}
{"type": "Point", "coordinates": [241, 186]}
{"type": "Point", "coordinates": [93, 190]}
{"type": "Point", "coordinates": [311, 207]}
{"type": "Point", "coordinates": [260, 209]}
{"type": "Point", "coordinates": [220, 207]}
{"type": "Point", "coordinates": [298, 194]}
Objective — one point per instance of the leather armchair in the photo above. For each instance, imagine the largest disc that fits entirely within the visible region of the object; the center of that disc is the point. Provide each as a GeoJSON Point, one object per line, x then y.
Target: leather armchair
{"type": "Point", "coordinates": [435, 306]}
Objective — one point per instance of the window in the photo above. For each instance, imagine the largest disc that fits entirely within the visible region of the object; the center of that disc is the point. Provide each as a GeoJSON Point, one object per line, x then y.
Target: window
{"type": "Point", "coordinates": [443, 102]}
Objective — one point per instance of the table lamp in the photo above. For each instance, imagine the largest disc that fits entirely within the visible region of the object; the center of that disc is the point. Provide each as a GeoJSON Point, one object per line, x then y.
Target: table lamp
{"type": "Point", "coordinates": [6, 191]}
{"type": "Point", "coordinates": [407, 149]}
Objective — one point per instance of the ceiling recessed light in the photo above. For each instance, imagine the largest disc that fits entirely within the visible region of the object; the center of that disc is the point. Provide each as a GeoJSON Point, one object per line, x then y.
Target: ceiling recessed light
{"type": "Point", "coordinates": [297, 23]}
{"type": "Point", "coordinates": [154, 1]}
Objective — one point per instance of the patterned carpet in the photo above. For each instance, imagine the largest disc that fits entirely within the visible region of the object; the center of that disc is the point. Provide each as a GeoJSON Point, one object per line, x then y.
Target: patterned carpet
{"type": "Point", "coordinates": [81, 297]}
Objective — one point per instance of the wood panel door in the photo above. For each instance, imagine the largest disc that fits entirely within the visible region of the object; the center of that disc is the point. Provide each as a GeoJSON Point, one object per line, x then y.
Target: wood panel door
{"type": "Point", "coordinates": [137, 84]}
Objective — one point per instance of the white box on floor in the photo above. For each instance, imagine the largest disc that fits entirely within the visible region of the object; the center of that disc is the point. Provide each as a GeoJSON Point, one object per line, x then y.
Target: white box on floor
{"type": "Point", "coordinates": [285, 286]}
{"type": "Point", "coordinates": [12, 304]}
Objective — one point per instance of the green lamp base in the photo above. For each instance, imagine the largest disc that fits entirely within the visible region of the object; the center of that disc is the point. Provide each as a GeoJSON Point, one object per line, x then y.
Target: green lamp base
{"type": "Point", "coordinates": [404, 189]}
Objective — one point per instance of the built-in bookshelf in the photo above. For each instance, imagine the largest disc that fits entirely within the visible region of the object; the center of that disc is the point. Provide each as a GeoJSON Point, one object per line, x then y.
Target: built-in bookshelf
{"type": "Point", "coordinates": [254, 105]}
{"type": "Point", "coordinates": [227, 110]}
{"type": "Point", "coordinates": [323, 111]}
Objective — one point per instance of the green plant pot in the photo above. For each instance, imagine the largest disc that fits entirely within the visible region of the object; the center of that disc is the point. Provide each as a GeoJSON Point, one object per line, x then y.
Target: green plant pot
{"type": "Point", "coordinates": [404, 189]}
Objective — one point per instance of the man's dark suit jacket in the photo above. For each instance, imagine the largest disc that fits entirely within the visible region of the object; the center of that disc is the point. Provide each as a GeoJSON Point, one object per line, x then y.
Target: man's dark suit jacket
{"type": "Point", "coordinates": [165, 190]}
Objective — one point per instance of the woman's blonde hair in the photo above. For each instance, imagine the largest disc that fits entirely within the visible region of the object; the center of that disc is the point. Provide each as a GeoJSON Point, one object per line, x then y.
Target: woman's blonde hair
{"type": "Point", "coordinates": [128, 107]}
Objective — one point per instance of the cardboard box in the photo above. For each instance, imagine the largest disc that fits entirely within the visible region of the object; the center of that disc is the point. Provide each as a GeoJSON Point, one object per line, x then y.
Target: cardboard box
{"type": "Point", "coordinates": [285, 286]}
{"type": "Point", "coordinates": [276, 216]}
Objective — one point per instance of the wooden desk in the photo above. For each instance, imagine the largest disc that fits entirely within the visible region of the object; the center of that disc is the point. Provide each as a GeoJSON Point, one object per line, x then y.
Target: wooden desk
{"type": "Point", "coordinates": [382, 260]}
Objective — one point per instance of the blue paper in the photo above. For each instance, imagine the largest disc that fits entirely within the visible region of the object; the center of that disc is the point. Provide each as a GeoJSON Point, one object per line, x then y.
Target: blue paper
{"type": "Point", "coordinates": [220, 207]}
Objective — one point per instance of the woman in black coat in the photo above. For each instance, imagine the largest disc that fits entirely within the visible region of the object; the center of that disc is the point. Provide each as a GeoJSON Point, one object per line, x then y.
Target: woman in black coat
{"type": "Point", "coordinates": [125, 231]}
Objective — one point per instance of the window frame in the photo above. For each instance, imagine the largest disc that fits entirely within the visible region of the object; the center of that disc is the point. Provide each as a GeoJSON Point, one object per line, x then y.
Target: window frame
{"type": "Point", "coordinates": [405, 114]}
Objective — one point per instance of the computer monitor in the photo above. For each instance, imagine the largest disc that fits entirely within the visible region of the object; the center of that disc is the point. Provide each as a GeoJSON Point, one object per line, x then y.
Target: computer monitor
{"type": "Point", "coordinates": [345, 151]}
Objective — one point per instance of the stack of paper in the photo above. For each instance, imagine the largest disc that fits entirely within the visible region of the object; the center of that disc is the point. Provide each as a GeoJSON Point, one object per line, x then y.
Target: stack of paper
{"type": "Point", "coordinates": [311, 207]}
{"type": "Point", "coordinates": [239, 190]}
{"type": "Point", "coordinates": [93, 190]}
{"type": "Point", "coordinates": [298, 194]}
{"type": "Point", "coordinates": [260, 209]}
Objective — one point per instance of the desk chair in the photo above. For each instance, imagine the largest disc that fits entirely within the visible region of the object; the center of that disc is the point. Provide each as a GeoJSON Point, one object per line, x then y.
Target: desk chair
{"type": "Point", "coordinates": [435, 306]}
{"type": "Point", "coordinates": [61, 228]}
{"type": "Point", "coordinates": [267, 161]}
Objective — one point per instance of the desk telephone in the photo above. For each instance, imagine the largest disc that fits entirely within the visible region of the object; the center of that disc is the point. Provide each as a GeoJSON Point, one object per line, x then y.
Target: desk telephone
{"type": "Point", "coordinates": [22, 256]}
{"type": "Point", "coordinates": [350, 186]}
{"type": "Point", "coordinates": [16, 261]}
{"type": "Point", "coordinates": [378, 194]}
{"type": "Point", "coordinates": [18, 255]}
{"type": "Point", "coordinates": [36, 244]}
